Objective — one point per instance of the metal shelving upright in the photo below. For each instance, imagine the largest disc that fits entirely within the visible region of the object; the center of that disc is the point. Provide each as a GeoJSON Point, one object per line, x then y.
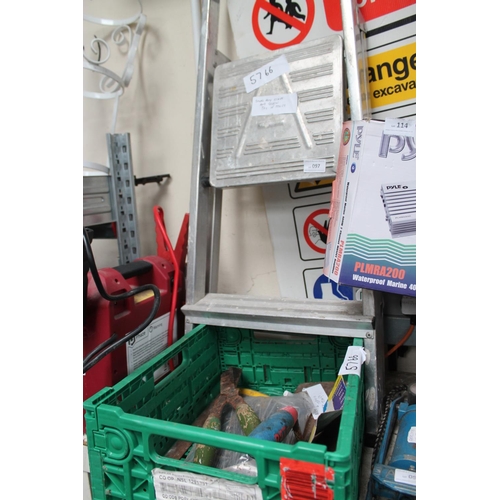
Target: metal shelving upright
{"type": "Point", "coordinates": [111, 198]}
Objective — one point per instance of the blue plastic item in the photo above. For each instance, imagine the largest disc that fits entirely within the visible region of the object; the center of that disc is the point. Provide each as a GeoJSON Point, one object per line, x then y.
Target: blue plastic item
{"type": "Point", "coordinates": [277, 426]}
{"type": "Point", "coordinates": [394, 476]}
{"type": "Point", "coordinates": [404, 454]}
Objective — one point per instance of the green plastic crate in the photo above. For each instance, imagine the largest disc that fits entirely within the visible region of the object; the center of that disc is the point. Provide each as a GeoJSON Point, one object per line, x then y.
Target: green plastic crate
{"type": "Point", "coordinates": [131, 426]}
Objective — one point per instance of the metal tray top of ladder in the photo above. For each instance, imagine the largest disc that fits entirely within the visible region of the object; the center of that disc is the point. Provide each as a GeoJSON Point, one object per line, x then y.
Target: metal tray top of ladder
{"type": "Point", "coordinates": [293, 112]}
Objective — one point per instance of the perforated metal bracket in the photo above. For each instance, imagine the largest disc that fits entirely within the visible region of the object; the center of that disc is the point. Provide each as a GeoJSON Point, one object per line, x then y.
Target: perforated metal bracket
{"type": "Point", "coordinates": [123, 196]}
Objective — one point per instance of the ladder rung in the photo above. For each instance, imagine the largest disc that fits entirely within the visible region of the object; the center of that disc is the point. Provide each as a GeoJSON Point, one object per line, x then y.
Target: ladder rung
{"type": "Point", "coordinates": [310, 316]}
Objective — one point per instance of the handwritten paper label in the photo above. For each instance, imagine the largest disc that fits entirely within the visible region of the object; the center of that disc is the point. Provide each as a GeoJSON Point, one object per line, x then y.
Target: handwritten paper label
{"type": "Point", "coordinates": [266, 73]}
{"type": "Point", "coordinates": [319, 398]}
{"type": "Point", "coordinates": [354, 358]}
{"type": "Point", "coordinates": [274, 104]}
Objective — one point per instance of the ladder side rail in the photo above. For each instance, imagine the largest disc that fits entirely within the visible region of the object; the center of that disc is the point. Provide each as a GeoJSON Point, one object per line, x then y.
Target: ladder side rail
{"type": "Point", "coordinates": [356, 64]}
{"type": "Point", "coordinates": [202, 196]}
{"type": "Point", "coordinates": [214, 250]}
{"type": "Point", "coordinates": [373, 306]}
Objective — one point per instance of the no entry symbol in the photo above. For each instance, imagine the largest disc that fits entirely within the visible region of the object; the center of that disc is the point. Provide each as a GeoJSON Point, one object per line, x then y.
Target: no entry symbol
{"type": "Point", "coordinates": [314, 230]}
{"type": "Point", "coordinates": [287, 13]}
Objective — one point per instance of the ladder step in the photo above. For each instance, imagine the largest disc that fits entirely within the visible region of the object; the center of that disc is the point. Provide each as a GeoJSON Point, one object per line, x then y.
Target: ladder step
{"type": "Point", "coordinates": [310, 316]}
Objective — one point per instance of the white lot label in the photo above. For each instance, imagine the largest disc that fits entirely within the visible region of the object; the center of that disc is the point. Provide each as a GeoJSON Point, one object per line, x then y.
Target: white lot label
{"type": "Point", "coordinates": [266, 73]}
{"type": "Point", "coordinates": [400, 126]}
{"type": "Point", "coordinates": [405, 476]}
{"type": "Point", "coordinates": [274, 104]}
{"type": "Point", "coordinates": [150, 342]}
{"type": "Point", "coordinates": [189, 486]}
{"type": "Point", "coordinates": [412, 435]}
{"type": "Point", "coordinates": [314, 165]}
{"type": "Point", "coordinates": [354, 358]}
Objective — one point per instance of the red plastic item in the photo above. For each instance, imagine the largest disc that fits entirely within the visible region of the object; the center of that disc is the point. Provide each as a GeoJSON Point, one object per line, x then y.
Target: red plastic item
{"type": "Point", "coordinates": [305, 480]}
{"type": "Point", "coordinates": [104, 318]}
{"type": "Point", "coordinates": [369, 10]}
{"type": "Point", "coordinates": [166, 250]}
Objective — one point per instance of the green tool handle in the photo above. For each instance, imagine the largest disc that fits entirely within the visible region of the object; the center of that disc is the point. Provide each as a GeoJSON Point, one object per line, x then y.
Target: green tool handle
{"type": "Point", "coordinates": [203, 453]}
{"type": "Point", "coordinates": [247, 418]}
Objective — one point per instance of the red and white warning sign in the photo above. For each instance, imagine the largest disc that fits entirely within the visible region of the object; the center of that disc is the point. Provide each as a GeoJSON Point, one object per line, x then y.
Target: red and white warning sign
{"type": "Point", "coordinates": [288, 217]}
{"type": "Point", "coordinates": [370, 9]}
{"type": "Point", "coordinates": [315, 229]}
{"type": "Point", "coordinates": [390, 27]}
{"type": "Point", "coordinates": [263, 25]}
{"type": "Point", "coordinates": [277, 24]}
{"type": "Point", "coordinates": [260, 26]}
{"type": "Point", "coordinates": [311, 226]}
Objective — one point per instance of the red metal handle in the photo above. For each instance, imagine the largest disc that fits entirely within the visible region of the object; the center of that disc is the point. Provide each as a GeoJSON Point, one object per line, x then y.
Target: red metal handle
{"type": "Point", "coordinates": [163, 240]}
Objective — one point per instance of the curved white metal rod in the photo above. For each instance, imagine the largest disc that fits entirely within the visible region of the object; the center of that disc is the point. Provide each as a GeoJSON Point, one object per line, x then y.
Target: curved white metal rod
{"type": "Point", "coordinates": [114, 22]}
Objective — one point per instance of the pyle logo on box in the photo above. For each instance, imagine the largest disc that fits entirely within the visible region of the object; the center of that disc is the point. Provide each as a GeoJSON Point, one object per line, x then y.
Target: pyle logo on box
{"type": "Point", "coordinates": [396, 144]}
{"type": "Point", "coordinates": [357, 142]}
{"type": "Point", "coordinates": [395, 186]}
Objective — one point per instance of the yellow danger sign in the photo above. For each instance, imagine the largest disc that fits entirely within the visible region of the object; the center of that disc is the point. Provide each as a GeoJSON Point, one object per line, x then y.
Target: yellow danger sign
{"type": "Point", "coordinates": [392, 76]}
{"type": "Point", "coordinates": [308, 185]}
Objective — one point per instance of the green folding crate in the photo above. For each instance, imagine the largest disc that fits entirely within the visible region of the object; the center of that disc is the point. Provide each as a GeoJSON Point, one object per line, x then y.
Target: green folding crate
{"type": "Point", "coordinates": [131, 426]}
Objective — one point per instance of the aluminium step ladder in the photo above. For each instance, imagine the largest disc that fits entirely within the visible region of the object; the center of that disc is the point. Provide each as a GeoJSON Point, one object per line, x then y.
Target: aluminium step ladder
{"type": "Point", "coordinates": [360, 319]}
